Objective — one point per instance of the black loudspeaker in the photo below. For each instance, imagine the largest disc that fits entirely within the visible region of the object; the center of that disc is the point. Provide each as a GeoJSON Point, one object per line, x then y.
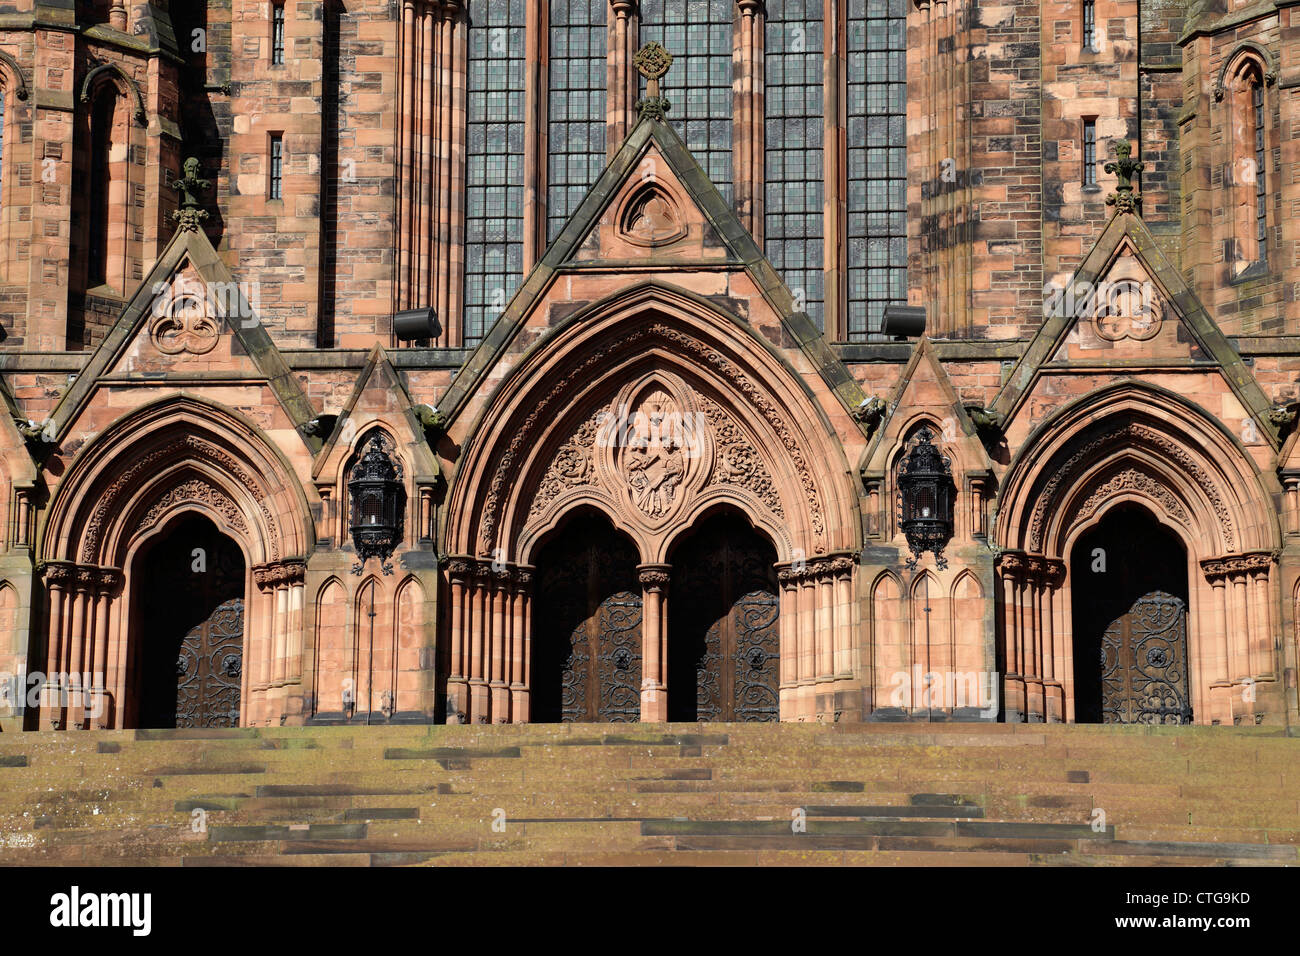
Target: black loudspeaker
{"type": "Point", "coordinates": [904, 321]}
{"type": "Point", "coordinates": [414, 325]}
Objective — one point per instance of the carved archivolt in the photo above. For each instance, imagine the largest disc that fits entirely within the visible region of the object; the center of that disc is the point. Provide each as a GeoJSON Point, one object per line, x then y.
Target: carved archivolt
{"type": "Point", "coordinates": [1139, 433]}
{"type": "Point", "coordinates": [196, 490]}
{"type": "Point", "coordinates": [654, 477]}
{"type": "Point", "coordinates": [181, 448]}
{"type": "Point", "coordinates": [1133, 480]}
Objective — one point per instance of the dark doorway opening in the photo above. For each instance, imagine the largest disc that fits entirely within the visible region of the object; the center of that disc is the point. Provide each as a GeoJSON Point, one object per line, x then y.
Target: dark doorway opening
{"type": "Point", "coordinates": [586, 626]}
{"type": "Point", "coordinates": [188, 642]}
{"type": "Point", "coordinates": [1129, 592]}
{"type": "Point", "coordinates": [724, 650]}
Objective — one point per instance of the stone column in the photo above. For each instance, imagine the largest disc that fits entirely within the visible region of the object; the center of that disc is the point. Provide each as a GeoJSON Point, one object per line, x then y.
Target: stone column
{"type": "Point", "coordinates": [788, 623]}
{"type": "Point", "coordinates": [498, 684]}
{"type": "Point", "coordinates": [430, 159]}
{"type": "Point", "coordinates": [459, 576]}
{"type": "Point", "coordinates": [622, 78]}
{"type": "Point", "coordinates": [654, 674]}
{"type": "Point", "coordinates": [521, 633]}
{"type": "Point", "coordinates": [1011, 568]}
{"type": "Point", "coordinates": [748, 110]}
{"type": "Point", "coordinates": [58, 577]}
{"type": "Point", "coordinates": [481, 625]}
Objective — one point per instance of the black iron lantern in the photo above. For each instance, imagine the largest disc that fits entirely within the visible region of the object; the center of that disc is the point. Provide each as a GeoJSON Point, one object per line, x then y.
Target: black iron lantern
{"type": "Point", "coordinates": [376, 502]}
{"type": "Point", "coordinates": [925, 500]}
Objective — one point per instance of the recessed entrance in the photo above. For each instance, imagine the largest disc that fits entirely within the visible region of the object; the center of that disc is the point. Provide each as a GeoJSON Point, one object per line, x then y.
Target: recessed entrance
{"type": "Point", "coordinates": [723, 639]}
{"type": "Point", "coordinates": [586, 626]}
{"type": "Point", "coordinates": [1129, 591]}
{"type": "Point", "coordinates": [187, 653]}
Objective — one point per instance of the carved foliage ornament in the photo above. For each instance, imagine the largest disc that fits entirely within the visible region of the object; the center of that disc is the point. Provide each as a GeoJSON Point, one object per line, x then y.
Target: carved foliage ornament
{"type": "Point", "coordinates": [523, 436]}
{"type": "Point", "coordinates": [651, 454]}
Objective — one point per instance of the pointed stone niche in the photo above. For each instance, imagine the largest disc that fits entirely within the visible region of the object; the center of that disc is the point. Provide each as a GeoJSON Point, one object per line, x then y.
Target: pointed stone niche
{"type": "Point", "coordinates": [650, 218]}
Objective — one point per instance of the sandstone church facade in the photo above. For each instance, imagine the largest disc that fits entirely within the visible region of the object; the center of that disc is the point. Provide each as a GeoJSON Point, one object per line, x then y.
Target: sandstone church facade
{"type": "Point", "coordinates": [652, 449]}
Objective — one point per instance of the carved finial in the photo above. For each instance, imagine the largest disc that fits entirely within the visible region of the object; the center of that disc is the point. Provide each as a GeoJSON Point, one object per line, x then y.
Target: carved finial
{"type": "Point", "coordinates": [1125, 198]}
{"type": "Point", "coordinates": [191, 213]}
{"type": "Point", "coordinates": [652, 61]}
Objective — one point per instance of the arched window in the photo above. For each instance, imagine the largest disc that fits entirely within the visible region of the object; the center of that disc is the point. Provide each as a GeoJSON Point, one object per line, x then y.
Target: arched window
{"type": "Point", "coordinates": [1248, 177]}
{"type": "Point", "coordinates": [100, 186]}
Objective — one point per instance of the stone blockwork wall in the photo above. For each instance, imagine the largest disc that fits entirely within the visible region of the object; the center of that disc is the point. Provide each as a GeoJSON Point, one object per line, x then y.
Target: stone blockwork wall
{"type": "Point", "coordinates": [997, 193]}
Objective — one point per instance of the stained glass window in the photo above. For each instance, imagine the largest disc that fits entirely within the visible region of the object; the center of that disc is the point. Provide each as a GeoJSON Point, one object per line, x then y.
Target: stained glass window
{"type": "Point", "coordinates": [792, 216]}
{"type": "Point", "coordinates": [575, 106]}
{"type": "Point", "coordinates": [494, 185]}
{"type": "Point", "coordinates": [877, 167]}
{"type": "Point", "coordinates": [698, 35]}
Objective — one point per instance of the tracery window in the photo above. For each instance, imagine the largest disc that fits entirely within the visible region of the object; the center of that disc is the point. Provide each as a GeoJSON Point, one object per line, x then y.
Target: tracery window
{"type": "Point", "coordinates": [877, 165]}
{"type": "Point", "coordinates": [698, 35]}
{"type": "Point", "coordinates": [793, 215]}
{"type": "Point", "coordinates": [494, 184]}
{"type": "Point", "coordinates": [575, 106]}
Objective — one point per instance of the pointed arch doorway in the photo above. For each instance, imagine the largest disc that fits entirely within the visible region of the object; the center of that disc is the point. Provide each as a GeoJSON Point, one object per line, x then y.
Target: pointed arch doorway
{"type": "Point", "coordinates": [187, 665]}
{"type": "Point", "coordinates": [1130, 598]}
{"type": "Point", "coordinates": [723, 635]}
{"type": "Point", "coordinates": [586, 626]}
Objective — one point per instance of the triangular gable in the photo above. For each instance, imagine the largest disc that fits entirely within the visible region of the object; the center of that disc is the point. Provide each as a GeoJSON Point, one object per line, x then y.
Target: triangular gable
{"type": "Point", "coordinates": [924, 390]}
{"type": "Point", "coordinates": [722, 239]}
{"type": "Point", "coordinates": [1177, 327]}
{"type": "Point", "coordinates": [189, 264]}
{"type": "Point", "coordinates": [379, 395]}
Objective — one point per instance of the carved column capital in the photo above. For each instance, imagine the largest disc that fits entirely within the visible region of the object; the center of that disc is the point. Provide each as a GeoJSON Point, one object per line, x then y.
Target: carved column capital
{"type": "Point", "coordinates": [57, 573]}
{"type": "Point", "coordinates": [459, 569]}
{"type": "Point", "coordinates": [1013, 563]}
{"type": "Point", "coordinates": [653, 577]}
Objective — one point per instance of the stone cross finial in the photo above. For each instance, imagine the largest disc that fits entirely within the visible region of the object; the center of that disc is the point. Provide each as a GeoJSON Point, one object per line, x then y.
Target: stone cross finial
{"type": "Point", "coordinates": [1125, 198]}
{"type": "Point", "coordinates": [191, 213]}
{"type": "Point", "coordinates": [652, 61]}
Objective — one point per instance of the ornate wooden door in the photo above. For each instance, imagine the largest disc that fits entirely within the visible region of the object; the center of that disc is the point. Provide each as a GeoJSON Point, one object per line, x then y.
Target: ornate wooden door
{"type": "Point", "coordinates": [1144, 663]}
{"type": "Point", "coordinates": [587, 628]}
{"type": "Point", "coordinates": [189, 643]}
{"type": "Point", "coordinates": [724, 643]}
{"type": "Point", "coordinates": [209, 669]}
{"type": "Point", "coordinates": [1128, 579]}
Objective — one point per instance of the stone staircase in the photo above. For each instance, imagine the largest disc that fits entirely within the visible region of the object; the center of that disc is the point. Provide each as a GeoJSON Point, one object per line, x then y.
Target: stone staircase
{"type": "Point", "coordinates": [915, 794]}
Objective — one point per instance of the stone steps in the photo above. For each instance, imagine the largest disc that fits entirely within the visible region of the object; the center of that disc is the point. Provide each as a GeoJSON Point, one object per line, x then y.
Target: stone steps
{"type": "Point", "coordinates": [920, 794]}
